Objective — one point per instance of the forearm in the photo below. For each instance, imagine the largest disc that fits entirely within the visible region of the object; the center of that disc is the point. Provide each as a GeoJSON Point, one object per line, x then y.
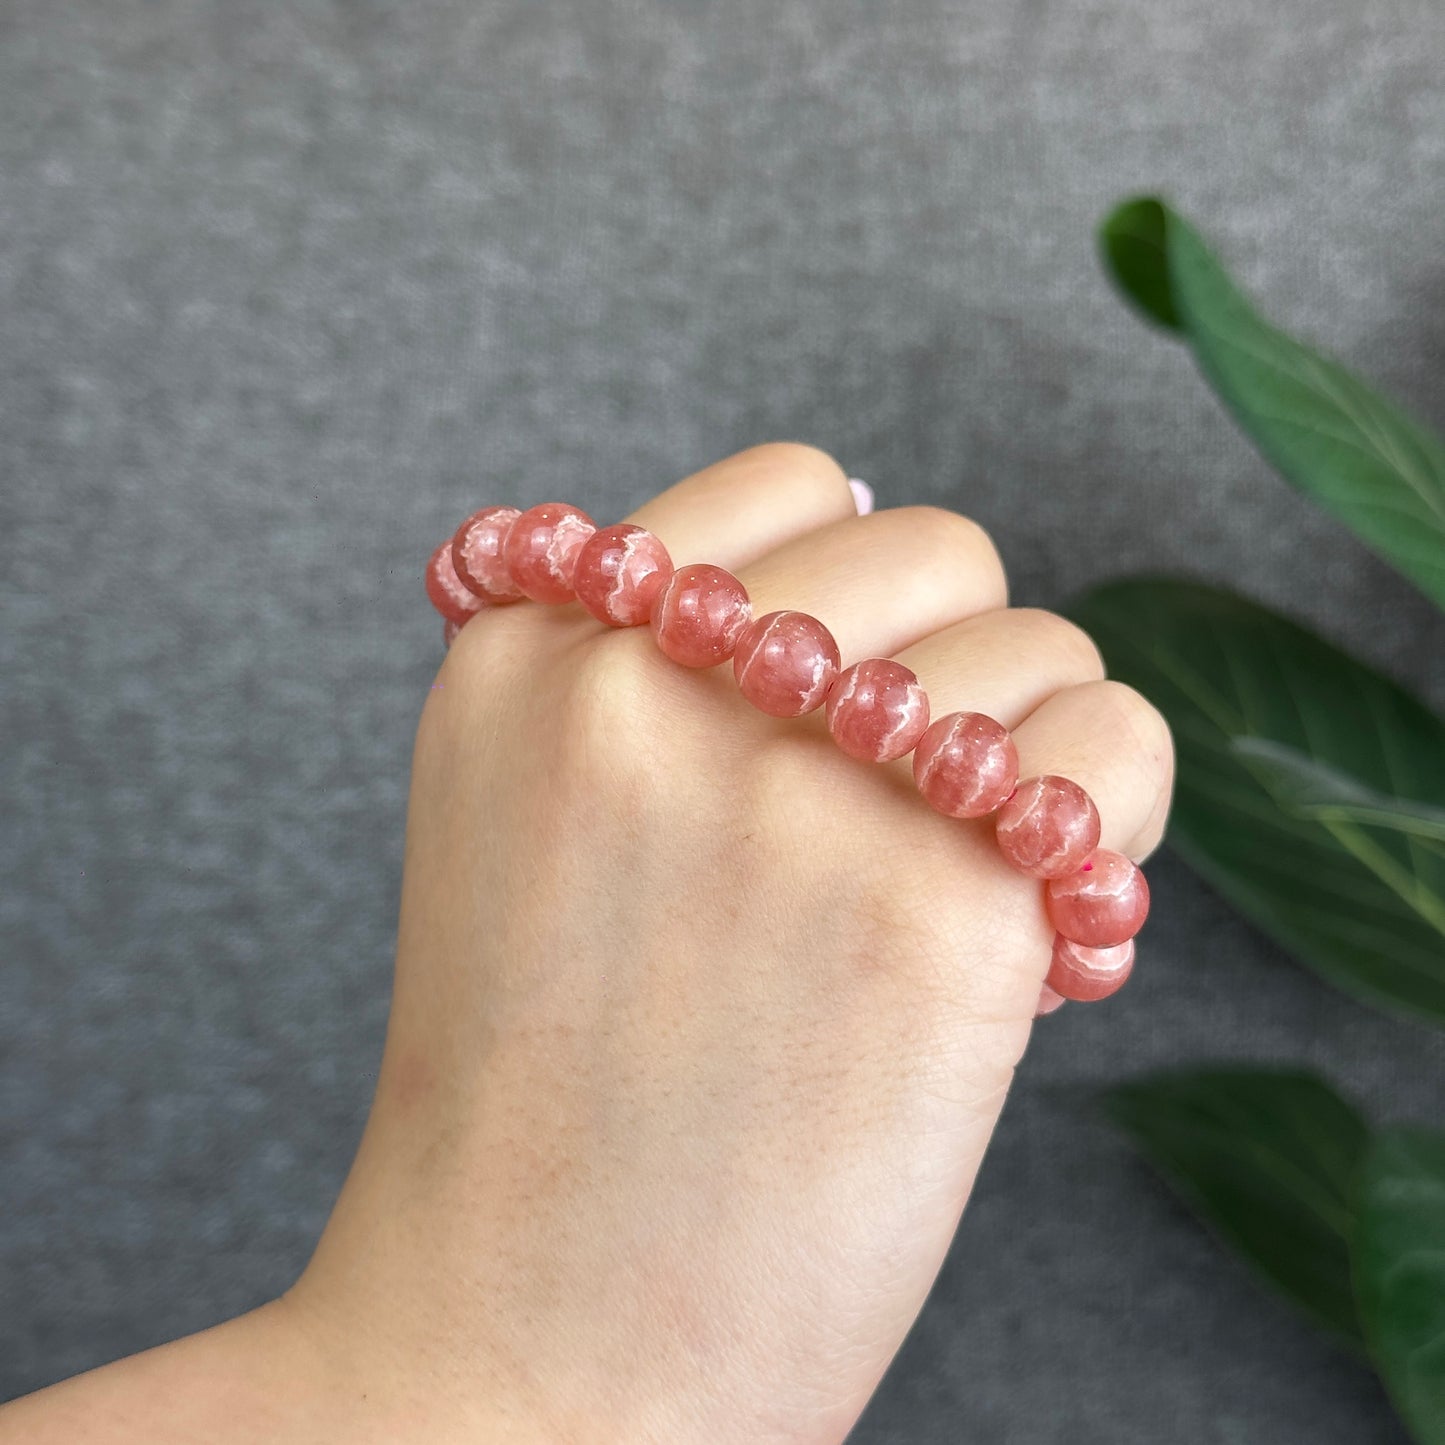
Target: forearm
{"type": "Point", "coordinates": [288, 1373]}
{"type": "Point", "coordinates": [262, 1376]}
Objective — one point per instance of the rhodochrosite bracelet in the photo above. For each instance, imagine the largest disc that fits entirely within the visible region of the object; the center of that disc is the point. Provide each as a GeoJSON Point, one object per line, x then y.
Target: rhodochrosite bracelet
{"type": "Point", "coordinates": [787, 664]}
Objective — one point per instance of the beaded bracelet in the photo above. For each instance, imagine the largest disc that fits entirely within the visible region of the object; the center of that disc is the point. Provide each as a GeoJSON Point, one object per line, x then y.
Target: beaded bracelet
{"type": "Point", "coordinates": [787, 664]}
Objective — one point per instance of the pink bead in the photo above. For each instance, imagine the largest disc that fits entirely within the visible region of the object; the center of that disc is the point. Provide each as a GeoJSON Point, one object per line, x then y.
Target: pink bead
{"type": "Point", "coordinates": [785, 663]}
{"type": "Point", "coordinates": [1048, 1002]}
{"type": "Point", "coordinates": [1103, 903]}
{"type": "Point", "coordinates": [477, 554]}
{"type": "Point", "coordinates": [700, 614]}
{"type": "Point", "coordinates": [619, 572]}
{"type": "Point", "coordinates": [541, 549]}
{"type": "Point", "coordinates": [1048, 827]}
{"type": "Point", "coordinates": [455, 602]}
{"type": "Point", "coordinates": [876, 710]}
{"type": "Point", "coordinates": [966, 764]}
{"type": "Point", "coordinates": [1086, 974]}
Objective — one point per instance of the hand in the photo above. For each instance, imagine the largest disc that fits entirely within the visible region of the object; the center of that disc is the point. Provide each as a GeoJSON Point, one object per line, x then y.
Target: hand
{"type": "Point", "coordinates": [701, 1027]}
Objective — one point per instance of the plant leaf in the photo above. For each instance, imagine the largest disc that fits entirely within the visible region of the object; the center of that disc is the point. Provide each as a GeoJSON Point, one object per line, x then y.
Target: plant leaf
{"type": "Point", "coordinates": [1267, 1159]}
{"type": "Point", "coordinates": [1363, 906]}
{"type": "Point", "coordinates": [1400, 1273]}
{"type": "Point", "coordinates": [1333, 437]}
{"type": "Point", "coordinates": [1132, 239]}
{"type": "Point", "coordinates": [1309, 788]}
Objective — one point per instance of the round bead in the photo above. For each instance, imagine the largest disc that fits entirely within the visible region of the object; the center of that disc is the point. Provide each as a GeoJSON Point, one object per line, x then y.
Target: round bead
{"type": "Point", "coordinates": [966, 764]}
{"type": "Point", "coordinates": [1048, 1002]}
{"type": "Point", "coordinates": [455, 602]}
{"type": "Point", "coordinates": [477, 554]}
{"type": "Point", "coordinates": [619, 572]}
{"type": "Point", "coordinates": [1086, 974]}
{"type": "Point", "coordinates": [1048, 827]}
{"type": "Point", "coordinates": [700, 614]}
{"type": "Point", "coordinates": [541, 549]}
{"type": "Point", "coordinates": [1103, 903]}
{"type": "Point", "coordinates": [876, 710]}
{"type": "Point", "coordinates": [785, 663]}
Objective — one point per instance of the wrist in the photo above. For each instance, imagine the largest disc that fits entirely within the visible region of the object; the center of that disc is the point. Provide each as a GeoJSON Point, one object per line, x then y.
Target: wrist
{"type": "Point", "coordinates": [256, 1377]}
{"type": "Point", "coordinates": [421, 1327]}
{"type": "Point", "coordinates": [388, 1318]}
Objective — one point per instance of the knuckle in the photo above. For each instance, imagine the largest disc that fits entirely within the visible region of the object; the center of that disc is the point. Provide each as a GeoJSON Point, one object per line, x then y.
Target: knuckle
{"type": "Point", "coordinates": [946, 539]}
{"type": "Point", "coordinates": [1066, 641]}
{"type": "Point", "coordinates": [954, 531]}
{"type": "Point", "coordinates": [601, 730]}
{"type": "Point", "coordinates": [472, 661]}
{"type": "Point", "coordinates": [600, 690]}
{"type": "Point", "coordinates": [1128, 711]}
{"type": "Point", "coordinates": [1125, 713]}
{"type": "Point", "coordinates": [1151, 835]}
{"type": "Point", "coordinates": [798, 460]}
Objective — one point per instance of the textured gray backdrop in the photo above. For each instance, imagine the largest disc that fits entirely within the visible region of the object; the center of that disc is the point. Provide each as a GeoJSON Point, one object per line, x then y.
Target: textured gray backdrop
{"type": "Point", "coordinates": [285, 290]}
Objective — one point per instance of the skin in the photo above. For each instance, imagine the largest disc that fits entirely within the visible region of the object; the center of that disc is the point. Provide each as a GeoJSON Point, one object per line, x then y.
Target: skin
{"type": "Point", "coordinates": [700, 1028]}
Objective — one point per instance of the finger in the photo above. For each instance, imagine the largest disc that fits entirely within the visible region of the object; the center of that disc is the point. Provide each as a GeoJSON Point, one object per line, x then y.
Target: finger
{"type": "Point", "coordinates": [736, 510]}
{"type": "Point", "coordinates": [1115, 744]}
{"type": "Point", "coordinates": [1003, 663]}
{"type": "Point", "coordinates": [1049, 1002]}
{"type": "Point", "coordinates": [882, 581]}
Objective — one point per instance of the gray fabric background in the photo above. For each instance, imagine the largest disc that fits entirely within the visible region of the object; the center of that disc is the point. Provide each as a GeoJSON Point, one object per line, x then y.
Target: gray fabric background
{"type": "Point", "coordinates": [285, 290]}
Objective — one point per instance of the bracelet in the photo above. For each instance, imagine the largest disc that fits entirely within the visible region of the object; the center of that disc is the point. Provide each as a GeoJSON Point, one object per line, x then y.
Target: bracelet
{"type": "Point", "coordinates": [787, 664]}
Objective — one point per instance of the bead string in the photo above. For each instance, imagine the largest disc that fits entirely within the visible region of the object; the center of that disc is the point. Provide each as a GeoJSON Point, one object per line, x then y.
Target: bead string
{"type": "Point", "coordinates": [787, 664]}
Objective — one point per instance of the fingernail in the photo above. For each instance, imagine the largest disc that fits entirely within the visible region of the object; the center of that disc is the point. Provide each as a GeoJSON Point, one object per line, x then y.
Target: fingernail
{"type": "Point", "coordinates": [862, 495]}
{"type": "Point", "coordinates": [1048, 1002]}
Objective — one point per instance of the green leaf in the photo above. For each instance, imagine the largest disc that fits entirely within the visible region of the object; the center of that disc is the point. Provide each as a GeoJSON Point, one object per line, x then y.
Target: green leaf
{"type": "Point", "coordinates": [1333, 437]}
{"type": "Point", "coordinates": [1267, 1159]}
{"type": "Point", "coordinates": [1363, 906]}
{"type": "Point", "coordinates": [1400, 1273]}
{"type": "Point", "coordinates": [1309, 788]}
{"type": "Point", "coordinates": [1132, 239]}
